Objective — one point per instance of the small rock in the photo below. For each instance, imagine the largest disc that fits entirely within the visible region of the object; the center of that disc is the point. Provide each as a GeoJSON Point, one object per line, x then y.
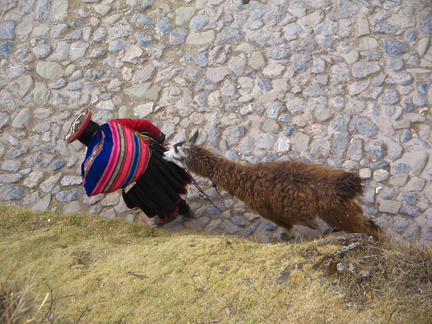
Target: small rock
{"type": "Point", "coordinates": [394, 47]}
{"type": "Point", "coordinates": [363, 69]}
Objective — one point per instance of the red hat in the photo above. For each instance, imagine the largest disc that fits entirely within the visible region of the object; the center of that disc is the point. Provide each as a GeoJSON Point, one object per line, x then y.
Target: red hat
{"type": "Point", "coordinates": [78, 125]}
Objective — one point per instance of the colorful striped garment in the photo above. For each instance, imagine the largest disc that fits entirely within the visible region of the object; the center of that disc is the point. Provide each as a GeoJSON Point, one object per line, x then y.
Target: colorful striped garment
{"type": "Point", "coordinates": [116, 156]}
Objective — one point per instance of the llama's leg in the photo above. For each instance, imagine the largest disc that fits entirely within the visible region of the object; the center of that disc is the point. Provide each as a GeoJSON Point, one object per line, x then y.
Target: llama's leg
{"type": "Point", "coordinates": [348, 216]}
{"type": "Point", "coordinates": [273, 217]}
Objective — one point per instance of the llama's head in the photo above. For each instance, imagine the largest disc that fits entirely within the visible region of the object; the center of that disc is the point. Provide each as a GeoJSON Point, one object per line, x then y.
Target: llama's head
{"type": "Point", "coordinates": [178, 153]}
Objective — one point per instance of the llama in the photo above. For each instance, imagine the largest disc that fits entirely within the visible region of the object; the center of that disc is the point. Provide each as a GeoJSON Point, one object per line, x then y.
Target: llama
{"type": "Point", "coordinates": [284, 192]}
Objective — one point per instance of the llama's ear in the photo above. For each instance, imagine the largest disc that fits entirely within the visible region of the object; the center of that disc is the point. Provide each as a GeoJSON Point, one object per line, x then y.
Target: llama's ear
{"type": "Point", "coordinates": [194, 137]}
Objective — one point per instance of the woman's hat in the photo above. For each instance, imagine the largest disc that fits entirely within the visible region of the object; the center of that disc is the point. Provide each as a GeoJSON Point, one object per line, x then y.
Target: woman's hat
{"type": "Point", "coordinates": [78, 125]}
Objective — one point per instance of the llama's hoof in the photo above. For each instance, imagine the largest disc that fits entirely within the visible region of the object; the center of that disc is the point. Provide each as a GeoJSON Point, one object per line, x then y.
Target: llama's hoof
{"type": "Point", "coordinates": [284, 236]}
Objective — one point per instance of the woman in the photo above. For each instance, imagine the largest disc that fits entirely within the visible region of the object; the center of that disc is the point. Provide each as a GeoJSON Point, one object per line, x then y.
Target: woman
{"type": "Point", "coordinates": [127, 154]}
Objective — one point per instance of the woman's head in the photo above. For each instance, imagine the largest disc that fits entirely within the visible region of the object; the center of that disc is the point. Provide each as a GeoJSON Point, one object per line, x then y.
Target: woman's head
{"type": "Point", "coordinates": [82, 128]}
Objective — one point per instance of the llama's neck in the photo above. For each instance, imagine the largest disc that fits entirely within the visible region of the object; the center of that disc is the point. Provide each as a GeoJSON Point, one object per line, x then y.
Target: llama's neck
{"type": "Point", "coordinates": [218, 169]}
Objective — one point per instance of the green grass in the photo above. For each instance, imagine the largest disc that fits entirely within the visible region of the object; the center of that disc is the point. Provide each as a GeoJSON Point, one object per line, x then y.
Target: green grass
{"type": "Point", "coordinates": [85, 269]}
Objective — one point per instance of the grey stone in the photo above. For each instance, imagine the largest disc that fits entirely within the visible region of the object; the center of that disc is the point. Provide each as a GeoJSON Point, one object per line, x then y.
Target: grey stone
{"type": "Point", "coordinates": [418, 161]}
{"type": "Point", "coordinates": [30, 198]}
{"type": "Point", "coordinates": [275, 109]}
{"type": "Point", "coordinates": [264, 83]}
{"type": "Point", "coordinates": [313, 91]}
{"type": "Point", "coordinates": [390, 97]}
{"type": "Point", "coordinates": [202, 60]}
{"type": "Point", "coordinates": [340, 122]}
{"type": "Point", "coordinates": [11, 192]}
{"type": "Point", "coordinates": [355, 150]}
{"type": "Point", "coordinates": [75, 86]}
{"type": "Point", "coordinates": [57, 30]}
{"type": "Point", "coordinates": [258, 10]}
{"type": "Point", "coordinates": [406, 136]}
{"type": "Point", "coordinates": [177, 37]}
{"type": "Point", "coordinates": [49, 70]}
{"type": "Point", "coordinates": [426, 23]}
{"type": "Point", "coordinates": [292, 31]}
{"type": "Point", "coordinates": [22, 119]}
{"type": "Point", "coordinates": [99, 35]}
{"type": "Point", "coordinates": [266, 141]}
{"type": "Point", "coordinates": [6, 48]}
{"type": "Point", "coordinates": [400, 168]}
{"type": "Point", "coordinates": [229, 227]}
{"type": "Point", "coordinates": [78, 50]}
{"type": "Point", "coordinates": [399, 78]}
{"type": "Point", "coordinates": [340, 74]}
{"type": "Point", "coordinates": [269, 226]}
{"type": "Point", "coordinates": [395, 64]}
{"type": "Point", "coordinates": [363, 69]}
{"type": "Point", "coordinates": [121, 29]}
{"type": "Point", "coordinates": [237, 64]}
{"type": "Point", "coordinates": [389, 206]}
{"type": "Point", "coordinates": [384, 28]}
{"type": "Point", "coordinates": [145, 40]}
{"type": "Point", "coordinates": [10, 178]}
{"type": "Point", "coordinates": [394, 47]}
{"type": "Point", "coordinates": [201, 39]}
{"type": "Point", "coordinates": [394, 150]}
{"type": "Point", "coordinates": [11, 165]}
{"type": "Point", "coordinates": [419, 100]}
{"type": "Point", "coordinates": [147, 3]}
{"type": "Point", "coordinates": [355, 107]}
{"type": "Point", "coordinates": [271, 126]}
{"type": "Point", "coordinates": [4, 120]}
{"type": "Point", "coordinates": [399, 180]}
{"type": "Point", "coordinates": [381, 175]}
{"type": "Point", "coordinates": [198, 22]}
{"type": "Point", "coordinates": [75, 35]}
{"type": "Point", "coordinates": [313, 19]}
{"type": "Point", "coordinates": [62, 51]}
{"type": "Point", "coordinates": [119, 45]}
{"type": "Point", "coordinates": [316, 3]}
{"type": "Point", "coordinates": [410, 198]}
{"type": "Point", "coordinates": [362, 125]}
{"type": "Point", "coordinates": [346, 9]}
{"type": "Point", "coordinates": [217, 74]}
{"type": "Point", "coordinates": [7, 30]}
{"type": "Point", "coordinates": [233, 135]}
{"type": "Point", "coordinates": [278, 54]}
{"type": "Point", "coordinates": [163, 26]}
{"type": "Point", "coordinates": [411, 211]}
{"type": "Point", "coordinates": [42, 10]}
{"type": "Point", "coordinates": [300, 62]}
{"type": "Point", "coordinates": [239, 221]}
{"type": "Point", "coordinates": [229, 34]}
{"type": "Point", "coordinates": [375, 149]}
{"type": "Point", "coordinates": [69, 195]}
{"type": "Point", "coordinates": [410, 35]}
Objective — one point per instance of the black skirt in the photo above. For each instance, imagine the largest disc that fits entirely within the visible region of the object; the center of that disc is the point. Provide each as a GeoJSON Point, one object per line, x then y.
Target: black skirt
{"type": "Point", "coordinates": [157, 191]}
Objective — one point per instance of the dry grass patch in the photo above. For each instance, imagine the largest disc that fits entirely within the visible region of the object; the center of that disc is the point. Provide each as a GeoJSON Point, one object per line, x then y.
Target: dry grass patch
{"type": "Point", "coordinates": [100, 271]}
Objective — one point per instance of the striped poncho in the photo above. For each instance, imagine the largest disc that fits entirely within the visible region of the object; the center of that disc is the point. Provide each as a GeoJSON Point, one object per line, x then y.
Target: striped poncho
{"type": "Point", "coordinates": [117, 155]}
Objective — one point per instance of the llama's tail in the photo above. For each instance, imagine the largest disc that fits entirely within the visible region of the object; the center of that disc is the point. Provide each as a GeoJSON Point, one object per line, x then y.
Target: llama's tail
{"type": "Point", "coordinates": [349, 185]}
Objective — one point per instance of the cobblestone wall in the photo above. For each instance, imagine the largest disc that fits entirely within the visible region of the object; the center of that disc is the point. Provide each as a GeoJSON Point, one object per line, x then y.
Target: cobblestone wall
{"type": "Point", "coordinates": [338, 82]}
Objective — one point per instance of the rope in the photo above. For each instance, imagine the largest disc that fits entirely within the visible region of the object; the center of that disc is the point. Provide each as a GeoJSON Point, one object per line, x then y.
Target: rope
{"type": "Point", "coordinates": [207, 197]}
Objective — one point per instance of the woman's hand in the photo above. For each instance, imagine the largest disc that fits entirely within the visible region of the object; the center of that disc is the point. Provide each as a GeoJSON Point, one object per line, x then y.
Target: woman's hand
{"type": "Point", "coordinates": [166, 144]}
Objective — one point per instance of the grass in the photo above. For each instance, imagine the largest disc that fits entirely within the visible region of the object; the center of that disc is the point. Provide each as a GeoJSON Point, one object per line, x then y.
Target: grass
{"type": "Point", "coordinates": [83, 269]}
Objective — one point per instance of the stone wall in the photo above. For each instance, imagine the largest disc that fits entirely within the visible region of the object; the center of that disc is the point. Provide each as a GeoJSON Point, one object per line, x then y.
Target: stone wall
{"type": "Point", "coordinates": [337, 82]}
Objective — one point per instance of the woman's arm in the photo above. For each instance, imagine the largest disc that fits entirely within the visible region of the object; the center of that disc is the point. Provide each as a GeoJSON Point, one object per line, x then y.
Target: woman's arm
{"type": "Point", "coordinates": [142, 126]}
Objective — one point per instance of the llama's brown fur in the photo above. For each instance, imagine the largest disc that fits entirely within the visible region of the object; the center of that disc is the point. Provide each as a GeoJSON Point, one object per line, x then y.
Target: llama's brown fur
{"type": "Point", "coordinates": [286, 193]}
